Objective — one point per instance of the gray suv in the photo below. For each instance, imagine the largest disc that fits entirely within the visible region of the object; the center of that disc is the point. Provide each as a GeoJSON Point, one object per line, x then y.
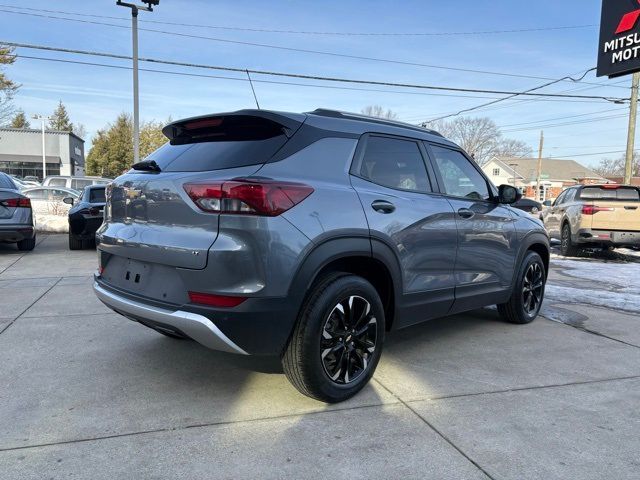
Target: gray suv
{"type": "Point", "coordinates": [310, 236]}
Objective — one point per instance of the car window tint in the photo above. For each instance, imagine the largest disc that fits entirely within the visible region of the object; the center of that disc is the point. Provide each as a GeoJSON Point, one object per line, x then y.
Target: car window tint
{"type": "Point", "coordinates": [395, 164]}
{"type": "Point", "coordinates": [568, 198]}
{"type": "Point", "coordinates": [6, 182]}
{"type": "Point", "coordinates": [58, 182]}
{"type": "Point", "coordinates": [460, 177]}
{"type": "Point", "coordinates": [611, 194]}
{"type": "Point", "coordinates": [97, 195]}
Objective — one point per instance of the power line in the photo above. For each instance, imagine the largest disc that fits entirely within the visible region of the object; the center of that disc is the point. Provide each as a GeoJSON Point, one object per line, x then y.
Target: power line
{"type": "Point", "coordinates": [306, 32]}
{"type": "Point", "coordinates": [566, 157]}
{"type": "Point", "coordinates": [291, 49]}
{"type": "Point", "coordinates": [561, 118]}
{"type": "Point", "coordinates": [525, 92]}
{"type": "Point", "coordinates": [577, 122]}
{"type": "Point", "coordinates": [220, 77]}
{"type": "Point", "coordinates": [318, 77]}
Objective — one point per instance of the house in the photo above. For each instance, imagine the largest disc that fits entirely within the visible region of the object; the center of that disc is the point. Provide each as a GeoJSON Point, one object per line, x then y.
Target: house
{"type": "Point", "coordinates": [21, 152]}
{"type": "Point", "coordinates": [634, 180]}
{"type": "Point", "coordinates": [555, 176]}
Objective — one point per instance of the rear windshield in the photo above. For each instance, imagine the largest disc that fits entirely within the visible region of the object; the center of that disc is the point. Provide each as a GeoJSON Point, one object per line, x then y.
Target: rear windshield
{"type": "Point", "coordinates": [198, 157]}
{"type": "Point", "coordinates": [621, 194]}
{"type": "Point", "coordinates": [6, 182]}
{"type": "Point", "coordinates": [97, 195]}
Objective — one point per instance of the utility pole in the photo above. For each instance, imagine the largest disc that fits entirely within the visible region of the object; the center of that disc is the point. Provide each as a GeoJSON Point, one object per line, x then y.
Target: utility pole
{"type": "Point", "coordinates": [631, 134]}
{"type": "Point", "coordinates": [136, 100]}
{"type": "Point", "coordinates": [44, 144]}
{"type": "Point", "coordinates": [539, 170]}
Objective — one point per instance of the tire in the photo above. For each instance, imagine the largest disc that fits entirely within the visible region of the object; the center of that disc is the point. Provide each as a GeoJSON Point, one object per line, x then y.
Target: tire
{"type": "Point", "coordinates": [530, 284]}
{"type": "Point", "coordinates": [74, 243]}
{"type": "Point", "coordinates": [567, 247]}
{"type": "Point", "coordinates": [324, 360]}
{"type": "Point", "coordinates": [27, 244]}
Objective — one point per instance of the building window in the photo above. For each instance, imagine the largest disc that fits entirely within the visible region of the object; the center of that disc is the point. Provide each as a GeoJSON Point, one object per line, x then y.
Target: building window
{"type": "Point", "coordinates": [496, 172]}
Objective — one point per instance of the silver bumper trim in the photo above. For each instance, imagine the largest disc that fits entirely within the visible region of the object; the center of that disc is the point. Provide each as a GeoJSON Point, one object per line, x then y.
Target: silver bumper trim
{"type": "Point", "coordinates": [195, 326]}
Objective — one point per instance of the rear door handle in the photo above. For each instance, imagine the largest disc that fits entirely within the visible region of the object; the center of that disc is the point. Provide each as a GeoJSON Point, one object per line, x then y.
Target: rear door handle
{"type": "Point", "coordinates": [465, 213]}
{"type": "Point", "coordinates": [383, 206]}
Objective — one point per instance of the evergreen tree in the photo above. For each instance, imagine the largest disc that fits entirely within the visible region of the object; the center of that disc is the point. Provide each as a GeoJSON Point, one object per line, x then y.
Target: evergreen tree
{"type": "Point", "coordinates": [19, 120]}
{"type": "Point", "coordinates": [112, 151]}
{"type": "Point", "coordinates": [151, 138]}
{"type": "Point", "coordinates": [60, 119]}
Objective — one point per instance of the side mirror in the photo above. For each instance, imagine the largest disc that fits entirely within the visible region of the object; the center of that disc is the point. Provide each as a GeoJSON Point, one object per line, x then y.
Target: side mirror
{"type": "Point", "coordinates": [68, 200]}
{"type": "Point", "coordinates": [508, 194]}
{"type": "Point", "coordinates": [547, 203]}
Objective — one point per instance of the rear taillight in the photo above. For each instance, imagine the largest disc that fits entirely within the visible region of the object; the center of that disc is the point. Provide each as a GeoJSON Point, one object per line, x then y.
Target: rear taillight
{"type": "Point", "coordinates": [222, 301]}
{"type": "Point", "coordinates": [16, 202]}
{"type": "Point", "coordinates": [250, 197]}
{"type": "Point", "coordinates": [593, 209]}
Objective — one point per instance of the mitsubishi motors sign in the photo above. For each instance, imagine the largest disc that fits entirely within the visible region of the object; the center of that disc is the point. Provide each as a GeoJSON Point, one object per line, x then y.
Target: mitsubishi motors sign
{"type": "Point", "coordinates": [619, 47]}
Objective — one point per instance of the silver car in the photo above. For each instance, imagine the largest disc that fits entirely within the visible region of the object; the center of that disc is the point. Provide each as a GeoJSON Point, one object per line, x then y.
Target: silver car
{"type": "Point", "coordinates": [310, 236]}
{"type": "Point", "coordinates": [16, 216]}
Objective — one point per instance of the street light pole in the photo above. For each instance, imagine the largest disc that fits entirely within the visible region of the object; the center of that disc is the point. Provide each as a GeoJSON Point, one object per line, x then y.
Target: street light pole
{"type": "Point", "coordinates": [136, 97]}
{"type": "Point", "coordinates": [44, 152]}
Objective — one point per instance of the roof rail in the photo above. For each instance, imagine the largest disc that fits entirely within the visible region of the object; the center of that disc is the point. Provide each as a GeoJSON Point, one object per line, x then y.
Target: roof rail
{"type": "Point", "coordinates": [326, 112]}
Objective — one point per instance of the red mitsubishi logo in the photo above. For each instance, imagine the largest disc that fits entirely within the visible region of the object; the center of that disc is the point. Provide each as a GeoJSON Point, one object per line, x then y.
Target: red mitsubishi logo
{"type": "Point", "coordinates": [628, 21]}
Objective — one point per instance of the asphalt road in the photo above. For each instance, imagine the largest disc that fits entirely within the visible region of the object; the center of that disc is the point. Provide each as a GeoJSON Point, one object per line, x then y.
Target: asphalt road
{"type": "Point", "coordinates": [85, 393]}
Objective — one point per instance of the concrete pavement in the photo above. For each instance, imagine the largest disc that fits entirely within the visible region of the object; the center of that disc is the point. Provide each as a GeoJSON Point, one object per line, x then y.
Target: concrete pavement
{"type": "Point", "coordinates": [85, 393]}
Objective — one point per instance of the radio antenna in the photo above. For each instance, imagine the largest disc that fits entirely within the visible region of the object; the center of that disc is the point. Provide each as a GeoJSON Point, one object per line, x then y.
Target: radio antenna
{"type": "Point", "coordinates": [253, 89]}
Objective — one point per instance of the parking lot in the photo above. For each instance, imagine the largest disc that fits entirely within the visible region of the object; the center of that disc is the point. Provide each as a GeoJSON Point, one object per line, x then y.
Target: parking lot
{"type": "Point", "coordinates": [87, 393]}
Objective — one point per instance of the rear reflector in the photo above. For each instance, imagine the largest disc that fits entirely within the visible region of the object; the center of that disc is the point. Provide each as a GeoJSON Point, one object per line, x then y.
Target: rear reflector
{"type": "Point", "coordinates": [593, 209]}
{"type": "Point", "coordinates": [16, 202]}
{"type": "Point", "coordinates": [247, 196]}
{"type": "Point", "coordinates": [215, 300]}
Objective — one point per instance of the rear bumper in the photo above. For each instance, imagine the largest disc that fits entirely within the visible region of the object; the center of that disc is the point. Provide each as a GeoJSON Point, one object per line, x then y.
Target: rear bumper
{"type": "Point", "coordinates": [258, 326]}
{"type": "Point", "coordinates": [16, 233]}
{"type": "Point", "coordinates": [607, 238]}
{"type": "Point", "coordinates": [193, 325]}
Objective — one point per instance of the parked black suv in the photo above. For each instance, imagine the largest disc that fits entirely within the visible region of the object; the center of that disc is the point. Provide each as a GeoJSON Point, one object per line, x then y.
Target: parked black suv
{"type": "Point", "coordinates": [310, 236]}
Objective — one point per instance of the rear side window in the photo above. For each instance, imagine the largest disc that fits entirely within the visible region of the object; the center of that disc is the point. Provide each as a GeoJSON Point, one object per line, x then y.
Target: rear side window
{"type": "Point", "coordinates": [621, 194]}
{"type": "Point", "coordinates": [57, 182]}
{"type": "Point", "coordinates": [97, 195]}
{"type": "Point", "coordinates": [395, 164]}
{"type": "Point", "coordinates": [80, 184]}
{"type": "Point", "coordinates": [6, 182]}
{"type": "Point", "coordinates": [460, 177]}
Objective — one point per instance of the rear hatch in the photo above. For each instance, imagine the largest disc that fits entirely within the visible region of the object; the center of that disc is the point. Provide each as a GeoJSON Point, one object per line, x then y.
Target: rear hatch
{"type": "Point", "coordinates": [612, 207]}
{"type": "Point", "coordinates": [150, 217]}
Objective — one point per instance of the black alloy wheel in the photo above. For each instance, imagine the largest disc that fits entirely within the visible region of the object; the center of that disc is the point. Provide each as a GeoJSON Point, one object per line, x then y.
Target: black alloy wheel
{"type": "Point", "coordinates": [348, 339]}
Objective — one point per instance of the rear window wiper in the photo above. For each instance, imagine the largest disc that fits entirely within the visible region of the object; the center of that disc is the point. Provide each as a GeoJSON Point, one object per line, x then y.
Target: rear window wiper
{"type": "Point", "coordinates": [147, 166]}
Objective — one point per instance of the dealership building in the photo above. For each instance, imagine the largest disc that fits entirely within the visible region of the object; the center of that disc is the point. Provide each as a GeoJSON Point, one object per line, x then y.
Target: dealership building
{"type": "Point", "coordinates": [21, 152]}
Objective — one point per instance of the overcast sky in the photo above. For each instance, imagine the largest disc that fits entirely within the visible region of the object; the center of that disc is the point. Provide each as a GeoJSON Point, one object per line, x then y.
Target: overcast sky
{"type": "Point", "coordinates": [95, 95]}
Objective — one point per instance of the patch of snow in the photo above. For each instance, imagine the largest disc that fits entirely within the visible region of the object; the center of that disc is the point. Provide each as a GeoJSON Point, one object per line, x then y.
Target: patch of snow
{"type": "Point", "coordinates": [52, 223]}
{"type": "Point", "coordinates": [618, 282]}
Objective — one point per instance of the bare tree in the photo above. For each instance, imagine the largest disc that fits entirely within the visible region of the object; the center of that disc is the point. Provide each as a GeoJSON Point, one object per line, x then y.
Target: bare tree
{"type": "Point", "coordinates": [378, 111]}
{"type": "Point", "coordinates": [481, 138]}
{"type": "Point", "coordinates": [79, 130]}
{"type": "Point", "coordinates": [614, 167]}
{"type": "Point", "coordinates": [7, 87]}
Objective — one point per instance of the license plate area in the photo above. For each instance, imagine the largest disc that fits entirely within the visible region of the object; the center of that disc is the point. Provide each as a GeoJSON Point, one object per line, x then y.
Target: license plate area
{"type": "Point", "coordinates": [622, 237]}
{"type": "Point", "coordinates": [135, 274]}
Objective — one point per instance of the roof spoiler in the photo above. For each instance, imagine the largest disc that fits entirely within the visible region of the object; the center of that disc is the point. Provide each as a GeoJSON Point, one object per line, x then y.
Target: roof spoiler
{"type": "Point", "coordinates": [240, 125]}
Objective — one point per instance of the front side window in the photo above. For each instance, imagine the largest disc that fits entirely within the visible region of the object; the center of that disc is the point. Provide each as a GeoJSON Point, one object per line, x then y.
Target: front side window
{"type": "Point", "coordinates": [460, 177]}
{"type": "Point", "coordinates": [394, 163]}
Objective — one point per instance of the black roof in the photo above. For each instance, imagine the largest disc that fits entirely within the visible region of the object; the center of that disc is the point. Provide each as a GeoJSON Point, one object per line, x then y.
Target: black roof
{"type": "Point", "coordinates": [325, 112]}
